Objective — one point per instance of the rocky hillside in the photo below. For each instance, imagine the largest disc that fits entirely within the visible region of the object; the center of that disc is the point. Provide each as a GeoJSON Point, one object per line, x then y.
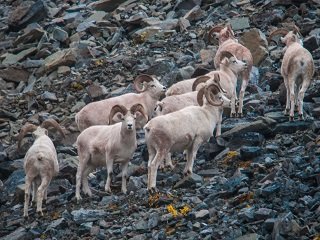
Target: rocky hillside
{"type": "Point", "coordinates": [57, 56]}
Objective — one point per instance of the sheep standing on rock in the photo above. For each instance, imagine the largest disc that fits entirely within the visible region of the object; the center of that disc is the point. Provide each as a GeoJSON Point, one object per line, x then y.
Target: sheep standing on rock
{"type": "Point", "coordinates": [40, 162]}
{"type": "Point", "coordinates": [230, 67]}
{"type": "Point", "coordinates": [97, 113]}
{"type": "Point", "coordinates": [104, 145]}
{"type": "Point", "coordinates": [297, 69]}
{"type": "Point", "coordinates": [185, 129]}
{"type": "Point", "coordinates": [228, 42]}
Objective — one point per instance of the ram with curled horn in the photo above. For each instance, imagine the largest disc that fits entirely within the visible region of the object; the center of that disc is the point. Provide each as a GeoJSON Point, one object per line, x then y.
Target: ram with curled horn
{"type": "Point", "coordinates": [183, 130]}
{"type": "Point", "coordinates": [104, 145]}
{"type": "Point", "coordinates": [97, 113]}
{"type": "Point", "coordinates": [297, 69]}
{"type": "Point", "coordinates": [228, 43]}
{"type": "Point", "coordinates": [40, 162]}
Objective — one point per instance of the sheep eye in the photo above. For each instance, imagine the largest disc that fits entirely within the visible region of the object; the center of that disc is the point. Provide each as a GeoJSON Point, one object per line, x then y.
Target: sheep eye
{"type": "Point", "coordinates": [234, 61]}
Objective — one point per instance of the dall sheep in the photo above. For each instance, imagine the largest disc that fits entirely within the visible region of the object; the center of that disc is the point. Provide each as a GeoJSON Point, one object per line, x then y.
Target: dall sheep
{"type": "Point", "coordinates": [228, 42]}
{"type": "Point", "coordinates": [297, 69]}
{"type": "Point", "coordinates": [103, 145]}
{"type": "Point", "coordinates": [97, 113]}
{"type": "Point", "coordinates": [185, 129]}
{"type": "Point", "coordinates": [230, 67]}
{"type": "Point", "coordinates": [40, 162]}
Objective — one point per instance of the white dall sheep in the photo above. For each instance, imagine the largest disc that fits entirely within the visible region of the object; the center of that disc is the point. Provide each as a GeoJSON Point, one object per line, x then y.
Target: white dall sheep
{"type": "Point", "coordinates": [297, 69]}
{"type": "Point", "coordinates": [97, 113]}
{"type": "Point", "coordinates": [185, 129]}
{"type": "Point", "coordinates": [40, 163]}
{"type": "Point", "coordinates": [104, 145]}
{"type": "Point", "coordinates": [227, 42]}
{"type": "Point", "coordinates": [230, 67]}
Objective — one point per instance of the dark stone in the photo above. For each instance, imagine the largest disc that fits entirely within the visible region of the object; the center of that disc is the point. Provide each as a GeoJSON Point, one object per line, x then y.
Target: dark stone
{"type": "Point", "coordinates": [246, 138]}
{"type": "Point", "coordinates": [15, 179]}
{"type": "Point", "coordinates": [315, 126]}
{"type": "Point", "coordinates": [25, 14]}
{"type": "Point", "coordinates": [270, 189]}
{"type": "Point", "coordinates": [311, 43]}
{"type": "Point", "coordinates": [247, 152]}
{"type": "Point", "coordinates": [87, 215]}
{"type": "Point", "coordinates": [292, 127]}
{"type": "Point", "coordinates": [189, 181]}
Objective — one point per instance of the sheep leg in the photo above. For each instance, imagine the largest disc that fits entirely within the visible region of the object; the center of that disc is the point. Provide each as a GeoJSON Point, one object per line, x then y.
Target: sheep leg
{"type": "Point", "coordinates": [245, 81]}
{"type": "Point", "coordinates": [109, 171]}
{"type": "Point", "coordinates": [302, 91]}
{"type": "Point", "coordinates": [85, 183]}
{"type": "Point", "coordinates": [124, 177]}
{"type": "Point", "coordinates": [27, 191]}
{"type": "Point", "coordinates": [152, 154]}
{"type": "Point", "coordinates": [287, 109]}
{"type": "Point", "coordinates": [154, 165]}
{"type": "Point", "coordinates": [191, 155]}
{"type": "Point", "coordinates": [168, 161]}
{"type": "Point", "coordinates": [292, 102]}
{"type": "Point", "coordinates": [35, 185]}
{"type": "Point", "coordinates": [40, 193]}
{"type": "Point", "coordinates": [83, 160]}
{"type": "Point", "coordinates": [233, 104]}
{"type": "Point", "coordinates": [218, 126]}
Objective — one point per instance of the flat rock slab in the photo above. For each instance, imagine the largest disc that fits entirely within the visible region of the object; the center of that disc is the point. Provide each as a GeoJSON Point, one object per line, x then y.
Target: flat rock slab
{"type": "Point", "coordinates": [292, 127]}
{"type": "Point", "coordinates": [87, 215]}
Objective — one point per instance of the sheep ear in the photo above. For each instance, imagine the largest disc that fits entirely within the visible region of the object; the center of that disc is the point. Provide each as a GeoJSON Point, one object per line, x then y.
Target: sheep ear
{"type": "Point", "coordinates": [282, 39]}
{"type": "Point", "coordinates": [46, 132]}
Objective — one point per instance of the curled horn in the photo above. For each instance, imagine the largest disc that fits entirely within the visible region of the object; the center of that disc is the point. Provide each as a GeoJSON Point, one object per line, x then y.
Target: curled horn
{"type": "Point", "coordinates": [280, 31]}
{"type": "Point", "coordinates": [140, 79]}
{"type": "Point", "coordinates": [115, 109]}
{"type": "Point", "coordinates": [139, 108]}
{"type": "Point", "coordinates": [199, 80]}
{"type": "Point", "coordinates": [225, 54]}
{"type": "Point", "coordinates": [52, 123]}
{"type": "Point", "coordinates": [217, 81]}
{"type": "Point", "coordinates": [215, 29]}
{"type": "Point", "coordinates": [24, 130]}
{"type": "Point", "coordinates": [200, 96]}
{"type": "Point", "coordinates": [296, 30]}
{"type": "Point", "coordinates": [212, 88]}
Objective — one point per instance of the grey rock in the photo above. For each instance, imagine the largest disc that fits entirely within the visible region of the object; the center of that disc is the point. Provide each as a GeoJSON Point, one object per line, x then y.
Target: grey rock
{"type": "Point", "coordinates": [13, 59]}
{"type": "Point", "coordinates": [140, 225]}
{"type": "Point", "coordinates": [209, 172]}
{"type": "Point", "coordinates": [58, 223]}
{"type": "Point", "coordinates": [153, 220]}
{"type": "Point", "coordinates": [250, 236]}
{"type": "Point", "coordinates": [15, 179]}
{"type": "Point", "coordinates": [278, 116]}
{"type": "Point", "coordinates": [202, 214]}
{"type": "Point", "coordinates": [270, 189]}
{"type": "Point", "coordinates": [49, 96]}
{"type": "Point", "coordinates": [189, 181]}
{"type": "Point", "coordinates": [96, 91]}
{"type": "Point", "coordinates": [97, 16]}
{"type": "Point", "coordinates": [186, 72]}
{"type": "Point", "coordinates": [315, 127]}
{"type": "Point", "coordinates": [18, 234]}
{"type": "Point", "coordinates": [108, 200]}
{"type": "Point", "coordinates": [311, 43]}
{"type": "Point", "coordinates": [59, 34]}
{"type": "Point", "coordinates": [77, 107]}
{"type": "Point", "coordinates": [106, 5]}
{"type": "Point", "coordinates": [248, 152]}
{"type": "Point", "coordinates": [292, 127]}
{"type": "Point", "coordinates": [263, 213]}
{"type": "Point", "coordinates": [135, 184]}
{"type": "Point", "coordinates": [87, 215]}
{"type": "Point", "coordinates": [239, 23]}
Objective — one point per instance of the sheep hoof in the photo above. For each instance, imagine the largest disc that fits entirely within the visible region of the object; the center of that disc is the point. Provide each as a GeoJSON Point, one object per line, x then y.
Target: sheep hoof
{"type": "Point", "coordinates": [291, 119]}
{"type": "Point", "coordinates": [170, 167]}
{"type": "Point", "coordinates": [301, 118]}
{"type": "Point", "coordinates": [152, 190]}
{"type": "Point", "coordinates": [286, 112]}
{"type": "Point", "coordinates": [240, 115]}
{"type": "Point", "coordinates": [26, 215]}
{"type": "Point", "coordinates": [39, 214]}
{"type": "Point", "coordinates": [233, 115]}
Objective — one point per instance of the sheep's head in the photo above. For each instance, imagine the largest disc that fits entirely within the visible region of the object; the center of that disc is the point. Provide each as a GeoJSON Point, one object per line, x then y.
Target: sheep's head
{"type": "Point", "coordinates": [287, 37]}
{"type": "Point", "coordinates": [212, 92]}
{"type": "Point", "coordinates": [40, 130]}
{"type": "Point", "coordinates": [221, 34]}
{"type": "Point", "coordinates": [150, 84]}
{"type": "Point", "coordinates": [230, 61]}
{"type": "Point", "coordinates": [128, 117]}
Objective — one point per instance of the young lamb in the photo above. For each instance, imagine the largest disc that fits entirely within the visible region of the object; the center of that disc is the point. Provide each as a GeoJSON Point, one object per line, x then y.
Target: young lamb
{"type": "Point", "coordinates": [227, 42]}
{"type": "Point", "coordinates": [230, 67]}
{"type": "Point", "coordinates": [103, 145]}
{"type": "Point", "coordinates": [185, 129]}
{"type": "Point", "coordinates": [40, 163]}
{"type": "Point", "coordinates": [297, 69]}
{"type": "Point", "coordinates": [97, 113]}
